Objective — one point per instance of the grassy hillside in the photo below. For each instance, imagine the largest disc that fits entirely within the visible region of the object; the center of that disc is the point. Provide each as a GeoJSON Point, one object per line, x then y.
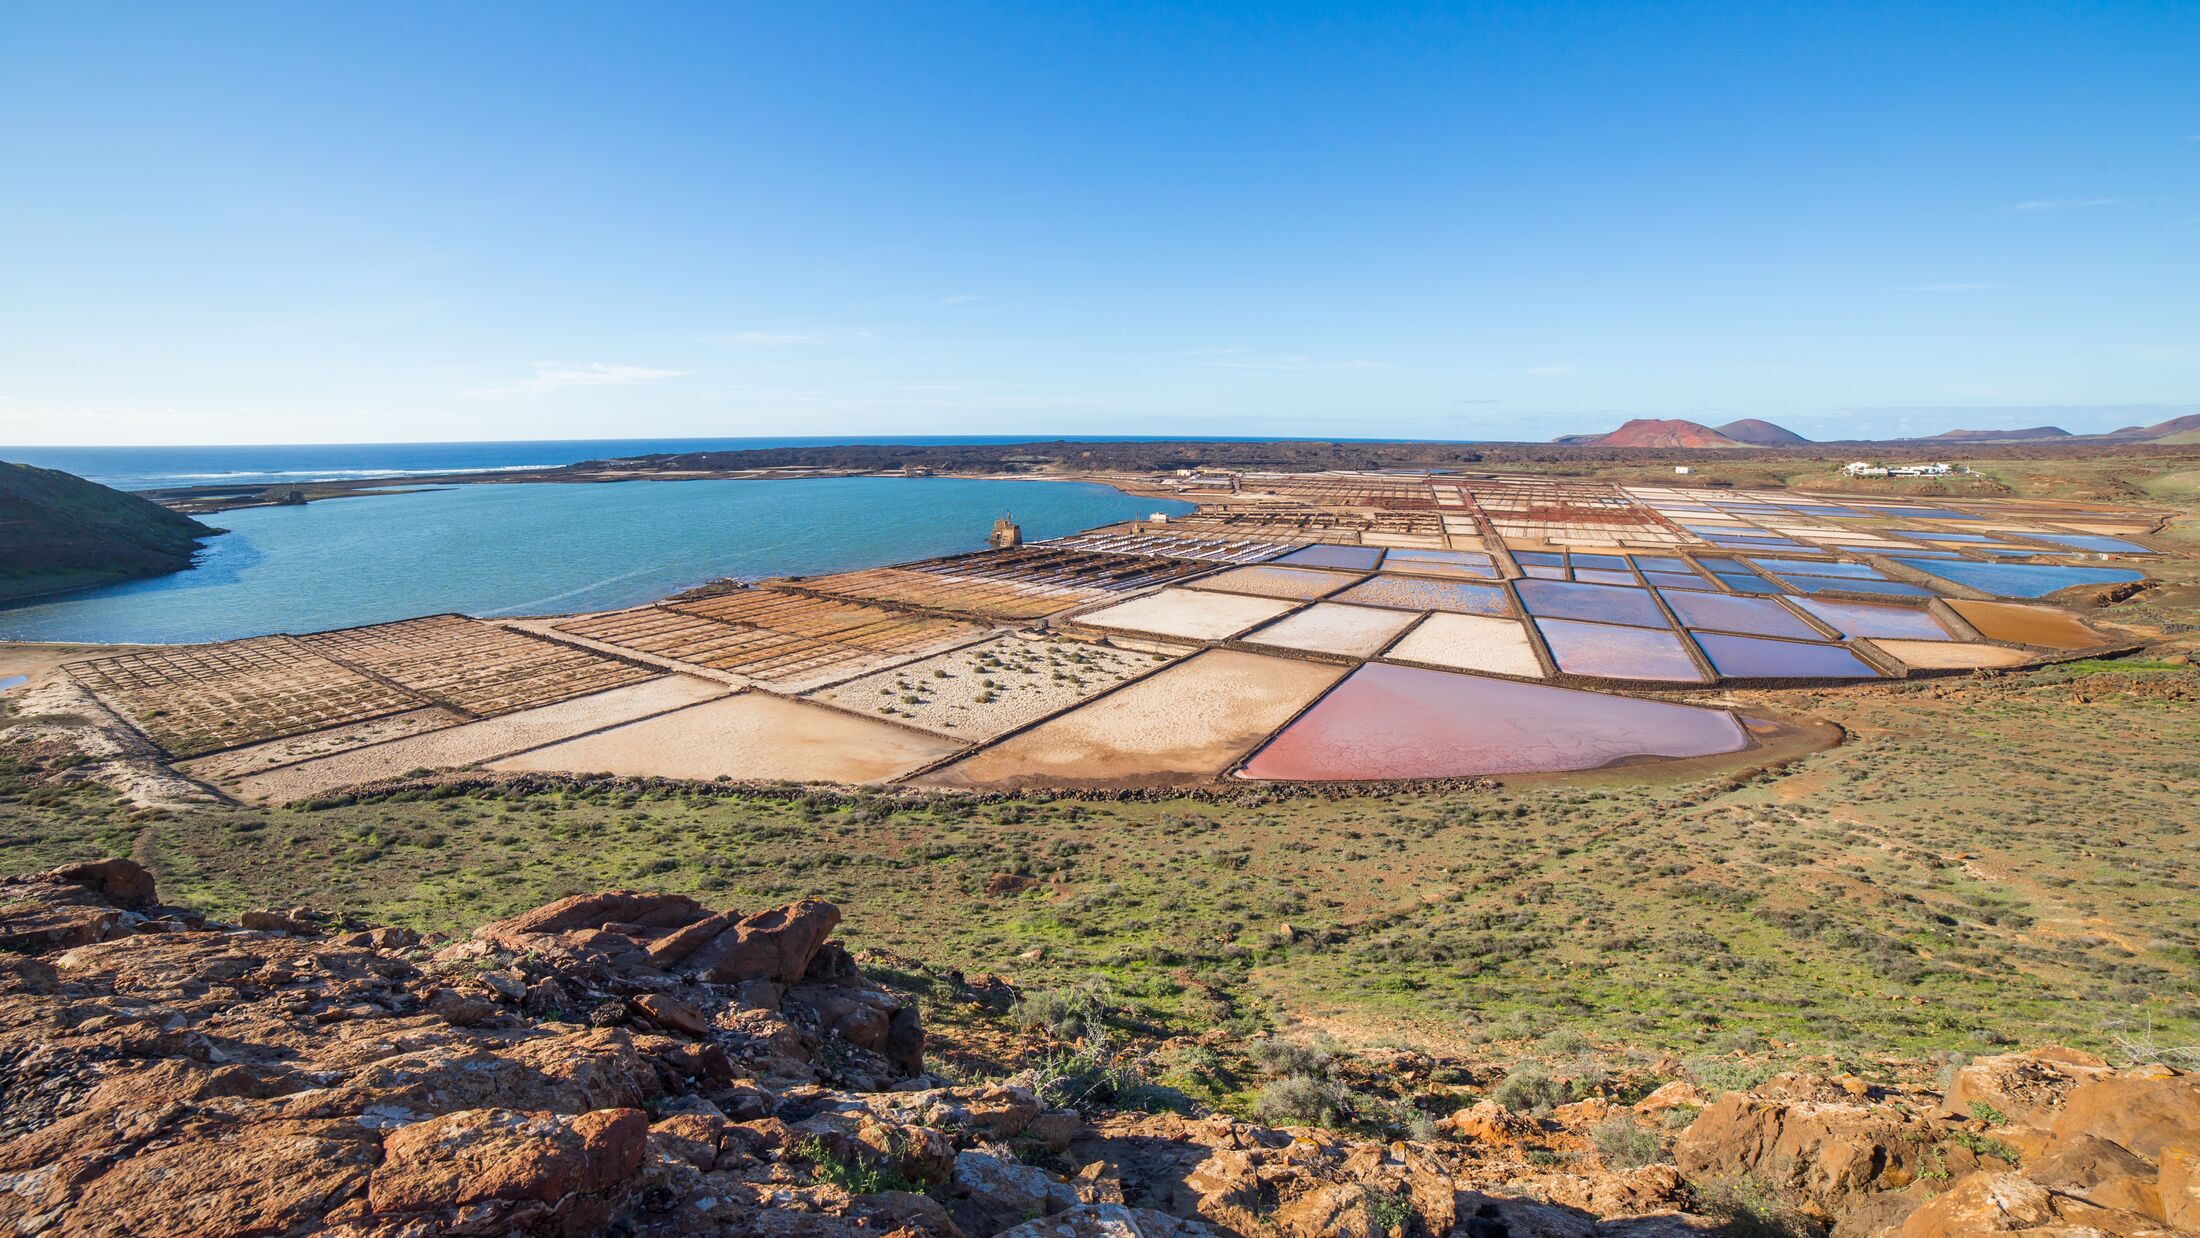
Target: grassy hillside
{"type": "Point", "coordinates": [59, 531]}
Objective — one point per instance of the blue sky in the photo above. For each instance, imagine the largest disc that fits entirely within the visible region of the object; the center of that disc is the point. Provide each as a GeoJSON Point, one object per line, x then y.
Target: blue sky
{"type": "Point", "coordinates": [336, 223]}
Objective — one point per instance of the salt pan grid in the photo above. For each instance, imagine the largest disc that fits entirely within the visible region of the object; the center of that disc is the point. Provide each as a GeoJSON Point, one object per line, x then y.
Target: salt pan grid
{"type": "Point", "coordinates": [1028, 582]}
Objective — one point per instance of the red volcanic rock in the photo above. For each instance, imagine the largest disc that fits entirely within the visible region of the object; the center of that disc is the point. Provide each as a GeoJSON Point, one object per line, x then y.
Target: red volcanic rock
{"type": "Point", "coordinates": [526, 1165]}
{"type": "Point", "coordinates": [585, 912]}
{"type": "Point", "coordinates": [124, 883]}
{"type": "Point", "coordinates": [771, 945]}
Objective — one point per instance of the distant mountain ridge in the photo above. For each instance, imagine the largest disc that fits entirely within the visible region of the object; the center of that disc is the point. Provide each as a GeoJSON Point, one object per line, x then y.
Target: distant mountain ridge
{"type": "Point", "coordinates": [2033, 434]}
{"type": "Point", "coordinates": [60, 532]}
{"type": "Point", "coordinates": [1647, 433]}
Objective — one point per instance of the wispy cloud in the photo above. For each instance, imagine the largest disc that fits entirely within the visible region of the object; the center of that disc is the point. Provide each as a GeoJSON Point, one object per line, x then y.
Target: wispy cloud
{"type": "Point", "coordinates": [1550, 371]}
{"type": "Point", "coordinates": [1943, 287]}
{"type": "Point", "coordinates": [2064, 204]}
{"type": "Point", "coordinates": [551, 376]}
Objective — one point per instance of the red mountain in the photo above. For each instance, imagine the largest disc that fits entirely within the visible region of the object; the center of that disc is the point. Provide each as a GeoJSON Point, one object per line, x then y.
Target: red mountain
{"type": "Point", "coordinates": [1648, 432]}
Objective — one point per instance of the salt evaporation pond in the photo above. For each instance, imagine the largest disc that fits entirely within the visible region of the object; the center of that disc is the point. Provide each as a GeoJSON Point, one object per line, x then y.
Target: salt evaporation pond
{"type": "Point", "coordinates": [1610, 651]}
{"type": "Point", "coordinates": [2020, 580]}
{"type": "Point", "coordinates": [1754, 657]}
{"type": "Point", "coordinates": [1401, 722]}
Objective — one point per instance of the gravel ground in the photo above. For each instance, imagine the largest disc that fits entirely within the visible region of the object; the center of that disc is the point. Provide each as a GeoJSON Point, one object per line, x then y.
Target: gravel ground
{"type": "Point", "coordinates": [984, 690]}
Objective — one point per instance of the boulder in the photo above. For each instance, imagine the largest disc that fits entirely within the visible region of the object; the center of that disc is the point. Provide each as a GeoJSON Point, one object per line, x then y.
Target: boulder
{"type": "Point", "coordinates": [1491, 1123]}
{"type": "Point", "coordinates": [771, 945]}
{"type": "Point", "coordinates": [586, 912]}
{"type": "Point", "coordinates": [2179, 1189]}
{"type": "Point", "coordinates": [2025, 1088]}
{"type": "Point", "coordinates": [671, 1014]}
{"type": "Point", "coordinates": [987, 1194]}
{"type": "Point", "coordinates": [1342, 1210]}
{"type": "Point", "coordinates": [526, 1167]}
{"type": "Point", "coordinates": [1820, 1150]}
{"type": "Point", "coordinates": [460, 1009]}
{"type": "Point", "coordinates": [2101, 1173]}
{"type": "Point", "coordinates": [2144, 1111]}
{"type": "Point", "coordinates": [987, 1114]}
{"type": "Point", "coordinates": [123, 883]}
{"type": "Point", "coordinates": [269, 921]}
{"type": "Point", "coordinates": [1679, 1093]}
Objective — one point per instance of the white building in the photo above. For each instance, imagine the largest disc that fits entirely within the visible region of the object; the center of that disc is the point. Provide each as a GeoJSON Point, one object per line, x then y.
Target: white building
{"type": "Point", "coordinates": [1864, 468]}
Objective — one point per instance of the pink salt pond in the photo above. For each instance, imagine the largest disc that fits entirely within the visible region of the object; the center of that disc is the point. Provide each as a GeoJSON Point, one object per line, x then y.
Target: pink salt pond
{"type": "Point", "coordinates": [1609, 651]}
{"type": "Point", "coordinates": [1402, 722]}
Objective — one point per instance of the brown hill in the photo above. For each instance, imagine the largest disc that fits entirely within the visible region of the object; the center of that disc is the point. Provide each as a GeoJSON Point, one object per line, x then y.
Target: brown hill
{"type": "Point", "coordinates": [1758, 433]}
{"type": "Point", "coordinates": [2176, 429]}
{"type": "Point", "coordinates": [1652, 432]}
{"type": "Point", "coordinates": [1997, 436]}
{"type": "Point", "coordinates": [59, 531]}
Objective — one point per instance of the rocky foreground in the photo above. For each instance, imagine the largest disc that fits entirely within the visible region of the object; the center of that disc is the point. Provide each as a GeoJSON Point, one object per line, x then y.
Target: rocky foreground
{"type": "Point", "coordinates": [635, 1063]}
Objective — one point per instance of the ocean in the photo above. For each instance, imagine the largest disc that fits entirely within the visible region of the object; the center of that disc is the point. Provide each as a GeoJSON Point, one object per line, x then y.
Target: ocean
{"type": "Point", "coordinates": [157, 468]}
{"type": "Point", "coordinates": [521, 549]}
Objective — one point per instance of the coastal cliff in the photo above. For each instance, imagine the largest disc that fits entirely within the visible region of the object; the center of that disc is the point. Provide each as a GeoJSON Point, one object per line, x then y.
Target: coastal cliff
{"type": "Point", "coordinates": [60, 532]}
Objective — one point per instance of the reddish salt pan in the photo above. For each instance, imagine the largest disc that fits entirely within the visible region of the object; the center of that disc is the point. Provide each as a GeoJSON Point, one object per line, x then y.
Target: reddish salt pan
{"type": "Point", "coordinates": [1404, 722]}
{"type": "Point", "coordinates": [1607, 651]}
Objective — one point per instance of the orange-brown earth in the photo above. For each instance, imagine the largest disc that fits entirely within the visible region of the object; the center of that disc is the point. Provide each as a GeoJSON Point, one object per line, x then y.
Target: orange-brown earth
{"type": "Point", "coordinates": [638, 1063]}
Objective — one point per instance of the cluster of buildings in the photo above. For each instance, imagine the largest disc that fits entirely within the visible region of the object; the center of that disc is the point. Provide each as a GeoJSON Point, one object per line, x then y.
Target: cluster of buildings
{"type": "Point", "coordinates": [1865, 468]}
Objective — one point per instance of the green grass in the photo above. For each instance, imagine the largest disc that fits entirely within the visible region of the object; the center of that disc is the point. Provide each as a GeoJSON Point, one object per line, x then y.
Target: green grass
{"type": "Point", "coordinates": [1986, 862]}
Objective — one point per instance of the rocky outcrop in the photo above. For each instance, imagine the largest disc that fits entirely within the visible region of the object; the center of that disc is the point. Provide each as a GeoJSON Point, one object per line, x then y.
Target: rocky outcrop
{"type": "Point", "coordinates": [164, 1076]}
{"type": "Point", "coordinates": [2051, 1140]}
{"type": "Point", "coordinates": [638, 1063]}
